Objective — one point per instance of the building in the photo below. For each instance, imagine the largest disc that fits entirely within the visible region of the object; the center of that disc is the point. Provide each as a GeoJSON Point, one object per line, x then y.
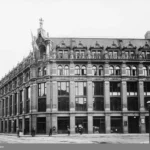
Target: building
{"type": "Point", "coordinates": [100, 83]}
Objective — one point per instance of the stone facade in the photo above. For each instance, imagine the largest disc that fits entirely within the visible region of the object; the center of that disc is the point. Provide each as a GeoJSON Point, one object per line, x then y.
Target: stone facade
{"type": "Point", "coordinates": [42, 66]}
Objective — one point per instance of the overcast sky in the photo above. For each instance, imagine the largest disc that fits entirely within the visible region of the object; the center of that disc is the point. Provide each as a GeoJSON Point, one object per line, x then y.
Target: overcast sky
{"type": "Point", "coordinates": [67, 18]}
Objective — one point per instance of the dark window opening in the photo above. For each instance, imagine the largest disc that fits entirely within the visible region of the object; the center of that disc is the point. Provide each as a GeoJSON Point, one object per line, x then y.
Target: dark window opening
{"type": "Point", "coordinates": [146, 99]}
{"type": "Point", "coordinates": [147, 123]}
{"type": "Point", "coordinates": [133, 103]}
{"type": "Point", "coordinates": [133, 124]}
{"type": "Point", "coordinates": [115, 88]}
{"type": "Point", "coordinates": [42, 52]}
{"type": "Point", "coordinates": [132, 88]}
{"type": "Point", "coordinates": [146, 88]}
{"type": "Point", "coordinates": [41, 125]}
{"type": "Point", "coordinates": [63, 123]}
{"type": "Point", "coordinates": [115, 103]}
{"type": "Point", "coordinates": [41, 104]}
{"type": "Point", "coordinates": [116, 125]}
{"type": "Point", "coordinates": [26, 130]}
{"type": "Point", "coordinates": [98, 103]}
{"type": "Point", "coordinates": [98, 124]}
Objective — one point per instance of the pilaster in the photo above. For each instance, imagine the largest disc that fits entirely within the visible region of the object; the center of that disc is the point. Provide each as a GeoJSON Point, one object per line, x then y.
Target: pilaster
{"type": "Point", "coordinates": [72, 96]}
{"type": "Point", "coordinates": [107, 95]}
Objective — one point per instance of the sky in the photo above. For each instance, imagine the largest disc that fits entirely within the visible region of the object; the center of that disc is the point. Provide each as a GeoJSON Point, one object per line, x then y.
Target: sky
{"type": "Point", "coordinates": [66, 18]}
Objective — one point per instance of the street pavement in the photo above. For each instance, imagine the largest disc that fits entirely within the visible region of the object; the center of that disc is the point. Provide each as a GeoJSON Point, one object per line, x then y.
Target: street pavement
{"type": "Point", "coordinates": [77, 139]}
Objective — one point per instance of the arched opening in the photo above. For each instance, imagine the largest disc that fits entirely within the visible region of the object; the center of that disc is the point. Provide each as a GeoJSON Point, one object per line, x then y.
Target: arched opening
{"type": "Point", "coordinates": [42, 51]}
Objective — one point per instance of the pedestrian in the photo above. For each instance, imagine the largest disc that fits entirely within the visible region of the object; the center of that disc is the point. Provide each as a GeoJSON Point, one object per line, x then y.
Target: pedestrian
{"type": "Point", "coordinates": [68, 130]}
{"type": "Point", "coordinates": [18, 132]}
{"type": "Point", "coordinates": [33, 132]}
{"type": "Point", "coordinates": [50, 132]}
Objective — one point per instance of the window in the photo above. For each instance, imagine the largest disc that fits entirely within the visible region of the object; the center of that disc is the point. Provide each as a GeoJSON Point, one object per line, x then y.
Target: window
{"type": "Point", "coordinates": [100, 70]}
{"type": "Point", "coordinates": [115, 103]}
{"type": "Point", "coordinates": [128, 70]}
{"type": "Point", "coordinates": [6, 106]}
{"type": "Point", "coordinates": [94, 71]}
{"type": "Point", "coordinates": [132, 88]}
{"type": "Point", "coordinates": [77, 70]}
{"type": "Point", "coordinates": [146, 99]}
{"type": "Point", "coordinates": [132, 103]}
{"type": "Point", "coordinates": [21, 101]}
{"type": "Point", "coordinates": [80, 88]}
{"type": "Point", "coordinates": [145, 71]}
{"type": "Point", "coordinates": [117, 70]}
{"type": "Point", "coordinates": [146, 88]}
{"type": "Point", "coordinates": [42, 97]}
{"type": "Point", "coordinates": [41, 89]}
{"type": "Point", "coordinates": [60, 70]}
{"type": "Point", "coordinates": [134, 71]}
{"type": "Point", "coordinates": [10, 105]}
{"type": "Point", "coordinates": [114, 88]}
{"type": "Point", "coordinates": [44, 71]}
{"type": "Point", "coordinates": [28, 98]}
{"type": "Point", "coordinates": [3, 108]}
{"type": "Point", "coordinates": [66, 71]}
{"type": "Point", "coordinates": [39, 72]}
{"type": "Point", "coordinates": [15, 103]}
{"type": "Point", "coordinates": [83, 70]}
{"type": "Point", "coordinates": [98, 96]}
{"type": "Point", "coordinates": [111, 70]}
{"type": "Point", "coordinates": [63, 96]}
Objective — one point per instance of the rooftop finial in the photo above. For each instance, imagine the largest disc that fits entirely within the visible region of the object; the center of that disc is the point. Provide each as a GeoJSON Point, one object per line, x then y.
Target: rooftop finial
{"type": "Point", "coordinates": [41, 22]}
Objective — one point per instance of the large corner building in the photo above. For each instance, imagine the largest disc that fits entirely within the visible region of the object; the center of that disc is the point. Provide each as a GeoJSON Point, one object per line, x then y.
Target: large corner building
{"type": "Point", "coordinates": [100, 83]}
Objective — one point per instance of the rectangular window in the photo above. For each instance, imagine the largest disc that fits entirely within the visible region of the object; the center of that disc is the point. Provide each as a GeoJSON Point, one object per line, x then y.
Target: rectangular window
{"type": "Point", "coordinates": [21, 101]}
{"type": "Point", "coordinates": [2, 107]}
{"type": "Point", "coordinates": [10, 105]}
{"type": "Point", "coordinates": [41, 89]}
{"type": "Point", "coordinates": [41, 104]}
{"type": "Point", "coordinates": [115, 103]}
{"type": "Point", "coordinates": [98, 103]}
{"type": "Point", "coordinates": [15, 104]}
{"type": "Point", "coordinates": [114, 88]}
{"type": "Point", "coordinates": [28, 98]}
{"type": "Point", "coordinates": [98, 88]}
{"type": "Point", "coordinates": [63, 96]}
{"type": "Point", "coordinates": [131, 88]}
{"type": "Point", "coordinates": [81, 104]}
{"type": "Point", "coordinates": [6, 106]}
{"type": "Point", "coordinates": [133, 103]}
{"type": "Point", "coordinates": [146, 88]}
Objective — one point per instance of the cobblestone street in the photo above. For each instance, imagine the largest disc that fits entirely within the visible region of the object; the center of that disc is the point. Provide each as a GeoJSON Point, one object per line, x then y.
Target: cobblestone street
{"type": "Point", "coordinates": [77, 139]}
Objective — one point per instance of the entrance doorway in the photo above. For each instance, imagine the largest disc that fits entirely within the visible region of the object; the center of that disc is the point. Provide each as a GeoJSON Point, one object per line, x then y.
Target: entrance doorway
{"type": "Point", "coordinates": [41, 125]}
{"type": "Point", "coordinates": [1, 126]}
{"type": "Point", "coordinates": [116, 124]}
{"type": "Point", "coordinates": [26, 130]}
{"type": "Point", "coordinates": [9, 128]}
{"type": "Point", "coordinates": [81, 121]}
{"type": "Point", "coordinates": [98, 124]}
{"type": "Point", "coordinates": [133, 124]}
{"type": "Point", "coordinates": [63, 122]}
{"type": "Point", "coordinates": [14, 126]}
{"type": "Point", "coordinates": [20, 124]}
{"type": "Point", "coordinates": [147, 124]}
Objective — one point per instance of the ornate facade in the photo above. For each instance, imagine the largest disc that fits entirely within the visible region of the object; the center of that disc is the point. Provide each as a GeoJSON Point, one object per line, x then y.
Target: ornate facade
{"type": "Point", "coordinates": [101, 84]}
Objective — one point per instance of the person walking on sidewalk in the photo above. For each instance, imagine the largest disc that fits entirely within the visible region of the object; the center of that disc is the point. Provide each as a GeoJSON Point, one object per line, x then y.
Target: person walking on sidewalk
{"type": "Point", "coordinates": [18, 132]}
{"type": "Point", "coordinates": [68, 130]}
{"type": "Point", "coordinates": [50, 132]}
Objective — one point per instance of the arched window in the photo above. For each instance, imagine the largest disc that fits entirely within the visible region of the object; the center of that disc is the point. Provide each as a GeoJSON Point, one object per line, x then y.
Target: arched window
{"type": "Point", "coordinates": [39, 72]}
{"type": "Point", "coordinates": [145, 71]}
{"type": "Point", "coordinates": [100, 70]}
{"type": "Point", "coordinates": [117, 70]}
{"type": "Point", "coordinates": [111, 70]}
{"type": "Point", "coordinates": [60, 70]}
{"type": "Point", "coordinates": [134, 71]}
{"type": "Point", "coordinates": [128, 70]}
{"type": "Point", "coordinates": [77, 70]}
{"type": "Point", "coordinates": [83, 70]}
{"type": "Point", "coordinates": [94, 71]}
{"type": "Point", "coordinates": [66, 71]}
{"type": "Point", "coordinates": [44, 71]}
{"type": "Point", "coordinates": [27, 76]}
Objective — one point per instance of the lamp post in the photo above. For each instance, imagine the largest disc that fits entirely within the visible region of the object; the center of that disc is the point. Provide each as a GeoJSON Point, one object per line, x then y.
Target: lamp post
{"type": "Point", "coordinates": [149, 118]}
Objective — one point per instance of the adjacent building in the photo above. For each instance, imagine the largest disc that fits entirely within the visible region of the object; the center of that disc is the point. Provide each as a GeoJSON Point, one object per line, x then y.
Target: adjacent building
{"type": "Point", "coordinates": [100, 83]}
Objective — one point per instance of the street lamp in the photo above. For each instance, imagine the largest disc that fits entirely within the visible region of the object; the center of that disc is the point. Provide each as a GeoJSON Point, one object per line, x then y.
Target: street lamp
{"type": "Point", "coordinates": [148, 103]}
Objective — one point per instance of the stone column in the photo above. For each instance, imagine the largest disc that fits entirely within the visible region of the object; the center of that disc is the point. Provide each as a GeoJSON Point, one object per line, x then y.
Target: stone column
{"type": "Point", "coordinates": [140, 69]}
{"type": "Point", "coordinates": [48, 69]}
{"type": "Point", "coordinates": [55, 95]}
{"type": "Point", "coordinates": [17, 122]}
{"type": "Point", "coordinates": [107, 123]}
{"type": "Point", "coordinates": [72, 123]}
{"type": "Point", "coordinates": [142, 124]}
{"type": "Point", "coordinates": [33, 122]}
{"type": "Point", "coordinates": [54, 69]}
{"type": "Point", "coordinates": [23, 124]}
{"type": "Point", "coordinates": [72, 69]}
{"type": "Point", "coordinates": [34, 97]}
{"type": "Point", "coordinates": [141, 95]}
{"type": "Point", "coordinates": [125, 123]}
{"type": "Point", "coordinates": [89, 96]}
{"type": "Point", "coordinates": [5, 107]}
{"type": "Point", "coordinates": [4, 125]}
{"type": "Point", "coordinates": [48, 96]}
{"type": "Point", "coordinates": [90, 123]}
{"type": "Point", "coordinates": [7, 125]}
{"type": "Point", "coordinates": [33, 71]}
{"type": "Point", "coordinates": [106, 69]}
{"type": "Point", "coordinates": [72, 96]}
{"type": "Point", "coordinates": [123, 69]}
{"type": "Point", "coordinates": [54, 122]}
{"type": "Point", "coordinates": [89, 69]}
{"type": "Point", "coordinates": [12, 126]}
{"type": "Point", "coordinates": [124, 95]}
{"type": "Point", "coordinates": [48, 123]}
{"type": "Point", "coordinates": [107, 95]}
